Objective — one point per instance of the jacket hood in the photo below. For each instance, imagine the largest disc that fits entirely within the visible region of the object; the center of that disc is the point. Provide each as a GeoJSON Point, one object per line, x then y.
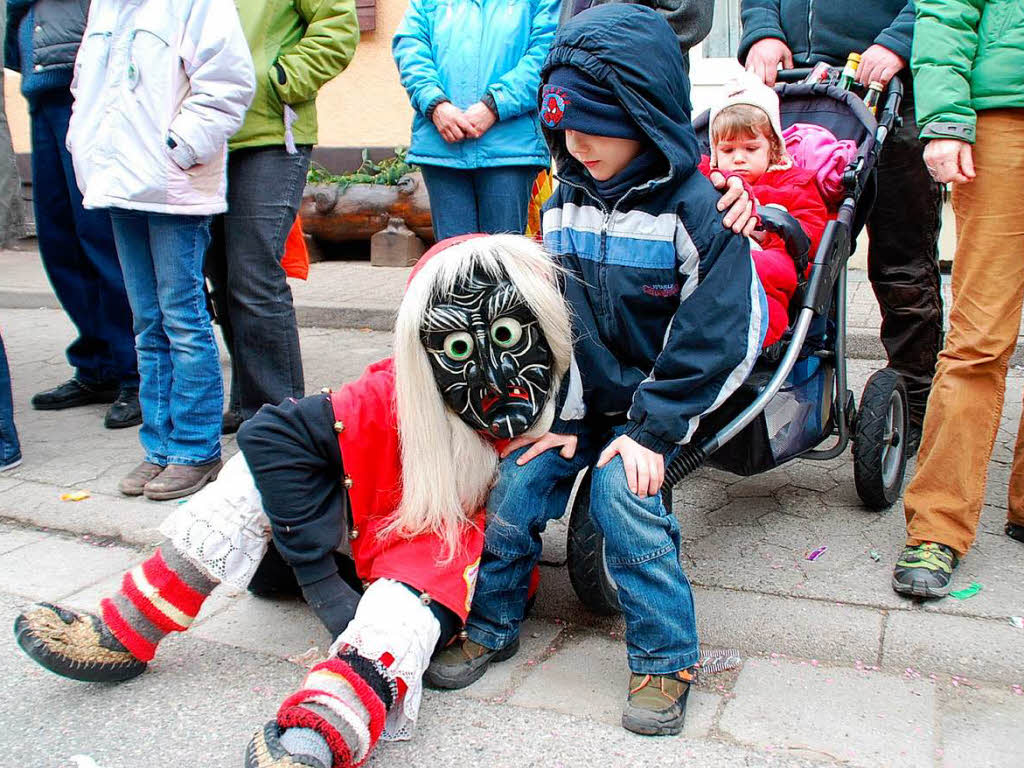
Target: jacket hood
{"type": "Point", "coordinates": [632, 50]}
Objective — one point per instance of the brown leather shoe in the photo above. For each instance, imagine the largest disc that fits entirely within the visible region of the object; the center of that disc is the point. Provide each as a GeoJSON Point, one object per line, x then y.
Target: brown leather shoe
{"type": "Point", "coordinates": [657, 703]}
{"type": "Point", "coordinates": [135, 481]}
{"type": "Point", "coordinates": [179, 480]}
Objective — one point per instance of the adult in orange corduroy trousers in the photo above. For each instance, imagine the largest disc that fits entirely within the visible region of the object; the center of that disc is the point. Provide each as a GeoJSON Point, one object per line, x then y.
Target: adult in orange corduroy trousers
{"type": "Point", "coordinates": [968, 63]}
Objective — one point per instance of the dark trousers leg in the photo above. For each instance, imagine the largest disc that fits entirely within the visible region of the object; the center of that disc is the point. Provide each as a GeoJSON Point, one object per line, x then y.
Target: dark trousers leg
{"type": "Point", "coordinates": [293, 453]}
{"type": "Point", "coordinates": [77, 249]}
{"type": "Point", "coordinates": [903, 260]}
{"type": "Point", "coordinates": [253, 299]}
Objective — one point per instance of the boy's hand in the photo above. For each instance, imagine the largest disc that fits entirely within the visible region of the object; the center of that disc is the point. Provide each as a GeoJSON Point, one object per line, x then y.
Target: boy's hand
{"type": "Point", "coordinates": [949, 160]}
{"type": "Point", "coordinates": [481, 117]}
{"type": "Point", "coordinates": [764, 57]}
{"type": "Point", "coordinates": [547, 441]}
{"type": "Point", "coordinates": [878, 63]}
{"type": "Point", "coordinates": [739, 218]}
{"type": "Point", "coordinates": [452, 123]}
{"type": "Point", "coordinates": [645, 469]}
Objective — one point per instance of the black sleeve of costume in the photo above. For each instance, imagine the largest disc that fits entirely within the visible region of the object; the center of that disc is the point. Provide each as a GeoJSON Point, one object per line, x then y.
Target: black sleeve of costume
{"type": "Point", "coordinates": [293, 453]}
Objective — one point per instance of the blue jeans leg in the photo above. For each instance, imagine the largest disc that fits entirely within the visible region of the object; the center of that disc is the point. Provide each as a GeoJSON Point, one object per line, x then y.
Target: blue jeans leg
{"type": "Point", "coordinates": [10, 448]}
{"type": "Point", "coordinates": [520, 506]}
{"type": "Point", "coordinates": [503, 197]}
{"type": "Point", "coordinates": [181, 391]}
{"type": "Point", "coordinates": [253, 298]}
{"type": "Point", "coordinates": [77, 250]}
{"type": "Point", "coordinates": [642, 552]}
{"type": "Point", "coordinates": [453, 208]}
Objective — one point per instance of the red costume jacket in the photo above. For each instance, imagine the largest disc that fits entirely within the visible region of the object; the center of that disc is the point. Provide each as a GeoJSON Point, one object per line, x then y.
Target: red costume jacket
{"type": "Point", "coordinates": [796, 190]}
{"type": "Point", "coordinates": [373, 472]}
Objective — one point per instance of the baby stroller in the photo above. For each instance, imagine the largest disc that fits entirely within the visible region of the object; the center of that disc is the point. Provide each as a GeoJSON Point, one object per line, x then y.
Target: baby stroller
{"type": "Point", "coordinates": [789, 408]}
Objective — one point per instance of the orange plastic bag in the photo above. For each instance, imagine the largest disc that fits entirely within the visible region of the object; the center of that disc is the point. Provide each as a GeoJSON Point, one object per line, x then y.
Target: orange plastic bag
{"type": "Point", "coordinates": [295, 259]}
{"type": "Point", "coordinates": [542, 189]}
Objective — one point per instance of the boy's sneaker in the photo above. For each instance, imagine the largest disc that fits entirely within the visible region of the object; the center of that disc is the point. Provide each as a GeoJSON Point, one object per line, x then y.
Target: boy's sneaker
{"type": "Point", "coordinates": [657, 703]}
{"type": "Point", "coordinates": [1012, 530]}
{"type": "Point", "coordinates": [924, 571]}
{"type": "Point", "coordinates": [464, 662]}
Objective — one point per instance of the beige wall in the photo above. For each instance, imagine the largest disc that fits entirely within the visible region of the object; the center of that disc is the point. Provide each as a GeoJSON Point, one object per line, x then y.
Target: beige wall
{"type": "Point", "coordinates": [364, 106]}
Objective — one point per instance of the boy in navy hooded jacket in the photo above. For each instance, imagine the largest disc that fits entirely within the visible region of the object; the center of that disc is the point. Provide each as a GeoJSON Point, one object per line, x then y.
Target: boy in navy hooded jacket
{"type": "Point", "coordinates": [669, 317]}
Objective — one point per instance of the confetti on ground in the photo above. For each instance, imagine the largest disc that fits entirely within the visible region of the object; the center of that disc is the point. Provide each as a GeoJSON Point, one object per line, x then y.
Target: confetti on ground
{"type": "Point", "coordinates": [875, 555]}
{"type": "Point", "coordinates": [1017, 621]}
{"type": "Point", "coordinates": [963, 594]}
{"type": "Point", "coordinates": [76, 496]}
{"type": "Point", "coordinates": [308, 658]}
{"type": "Point", "coordinates": [817, 553]}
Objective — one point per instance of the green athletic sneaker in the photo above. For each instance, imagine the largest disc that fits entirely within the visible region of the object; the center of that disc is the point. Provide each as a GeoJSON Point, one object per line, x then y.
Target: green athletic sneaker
{"type": "Point", "coordinates": [464, 662]}
{"type": "Point", "coordinates": [924, 571]}
{"type": "Point", "coordinates": [657, 703]}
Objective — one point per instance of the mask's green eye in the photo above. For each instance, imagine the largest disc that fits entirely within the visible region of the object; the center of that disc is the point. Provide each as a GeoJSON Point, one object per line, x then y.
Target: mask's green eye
{"type": "Point", "coordinates": [506, 332]}
{"type": "Point", "coordinates": [458, 346]}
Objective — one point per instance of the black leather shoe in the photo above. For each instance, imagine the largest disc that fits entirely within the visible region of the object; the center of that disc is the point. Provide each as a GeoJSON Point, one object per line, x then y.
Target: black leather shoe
{"type": "Point", "coordinates": [73, 393]}
{"type": "Point", "coordinates": [125, 410]}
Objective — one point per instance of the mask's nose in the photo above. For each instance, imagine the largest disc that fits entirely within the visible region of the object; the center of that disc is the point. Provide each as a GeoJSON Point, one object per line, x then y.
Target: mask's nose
{"type": "Point", "coordinates": [510, 426]}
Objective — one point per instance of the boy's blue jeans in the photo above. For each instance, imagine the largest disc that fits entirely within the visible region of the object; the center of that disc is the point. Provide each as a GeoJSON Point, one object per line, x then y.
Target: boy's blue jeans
{"type": "Point", "coordinates": [641, 547]}
{"type": "Point", "coordinates": [180, 390]}
{"type": "Point", "coordinates": [10, 448]}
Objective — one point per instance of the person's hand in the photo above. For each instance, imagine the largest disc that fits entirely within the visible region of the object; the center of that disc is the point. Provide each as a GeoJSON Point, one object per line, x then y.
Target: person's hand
{"type": "Point", "coordinates": [764, 57]}
{"type": "Point", "coordinates": [949, 160]}
{"type": "Point", "coordinates": [878, 63]}
{"type": "Point", "coordinates": [645, 469]}
{"type": "Point", "coordinates": [565, 443]}
{"type": "Point", "coordinates": [481, 117]}
{"type": "Point", "coordinates": [739, 218]}
{"type": "Point", "coordinates": [452, 123]}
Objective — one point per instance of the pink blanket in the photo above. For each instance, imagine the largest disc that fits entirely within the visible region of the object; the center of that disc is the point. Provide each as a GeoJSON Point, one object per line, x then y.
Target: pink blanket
{"type": "Point", "coordinates": [816, 149]}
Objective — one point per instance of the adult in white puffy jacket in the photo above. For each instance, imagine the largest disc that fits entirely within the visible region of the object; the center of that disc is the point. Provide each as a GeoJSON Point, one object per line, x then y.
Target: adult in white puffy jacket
{"type": "Point", "coordinates": [159, 86]}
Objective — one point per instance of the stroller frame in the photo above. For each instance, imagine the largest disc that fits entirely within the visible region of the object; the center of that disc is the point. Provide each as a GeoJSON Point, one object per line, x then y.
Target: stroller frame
{"type": "Point", "coordinates": [825, 290]}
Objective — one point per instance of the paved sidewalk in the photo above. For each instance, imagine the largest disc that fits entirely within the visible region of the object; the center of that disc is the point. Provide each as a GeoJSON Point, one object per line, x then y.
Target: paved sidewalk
{"type": "Point", "coordinates": [836, 669]}
{"type": "Point", "coordinates": [353, 294]}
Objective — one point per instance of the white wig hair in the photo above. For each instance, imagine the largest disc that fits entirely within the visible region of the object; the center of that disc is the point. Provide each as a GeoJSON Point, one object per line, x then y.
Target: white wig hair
{"type": "Point", "coordinates": [448, 467]}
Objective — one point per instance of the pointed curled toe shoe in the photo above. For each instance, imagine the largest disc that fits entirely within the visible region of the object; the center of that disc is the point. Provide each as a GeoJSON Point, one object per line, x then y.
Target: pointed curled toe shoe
{"type": "Point", "coordinates": [265, 751]}
{"type": "Point", "coordinates": [74, 644]}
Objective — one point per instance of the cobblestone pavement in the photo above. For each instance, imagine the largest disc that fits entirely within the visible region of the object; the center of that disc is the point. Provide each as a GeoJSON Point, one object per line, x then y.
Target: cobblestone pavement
{"type": "Point", "coordinates": [836, 669]}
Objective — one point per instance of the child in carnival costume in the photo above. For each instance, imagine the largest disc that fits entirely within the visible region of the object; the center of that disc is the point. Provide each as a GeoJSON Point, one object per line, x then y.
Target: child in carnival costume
{"type": "Point", "coordinates": [392, 469]}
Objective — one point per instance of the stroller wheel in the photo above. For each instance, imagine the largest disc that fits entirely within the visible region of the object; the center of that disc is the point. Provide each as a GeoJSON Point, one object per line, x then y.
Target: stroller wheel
{"type": "Point", "coordinates": [588, 571]}
{"type": "Point", "coordinates": [879, 444]}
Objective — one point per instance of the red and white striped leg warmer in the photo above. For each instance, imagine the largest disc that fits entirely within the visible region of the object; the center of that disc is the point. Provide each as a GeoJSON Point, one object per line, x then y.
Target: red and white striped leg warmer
{"type": "Point", "coordinates": [159, 596]}
{"type": "Point", "coordinates": [361, 692]}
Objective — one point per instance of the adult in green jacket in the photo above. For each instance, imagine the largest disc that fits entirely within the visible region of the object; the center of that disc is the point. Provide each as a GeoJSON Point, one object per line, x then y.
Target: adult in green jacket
{"type": "Point", "coordinates": [297, 46]}
{"type": "Point", "coordinates": [968, 63]}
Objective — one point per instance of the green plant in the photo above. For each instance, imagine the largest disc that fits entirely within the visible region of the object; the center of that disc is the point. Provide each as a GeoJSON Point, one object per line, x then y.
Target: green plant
{"type": "Point", "coordinates": [386, 172]}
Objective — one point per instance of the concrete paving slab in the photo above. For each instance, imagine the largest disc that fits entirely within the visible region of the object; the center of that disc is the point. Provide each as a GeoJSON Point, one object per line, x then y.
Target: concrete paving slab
{"type": "Point", "coordinates": [55, 567]}
{"type": "Point", "coordinates": [12, 538]}
{"type": "Point", "coordinates": [463, 732]}
{"type": "Point", "coordinates": [866, 719]}
{"type": "Point", "coordinates": [280, 627]}
{"type": "Point", "coordinates": [535, 641]}
{"type": "Point", "coordinates": [197, 703]}
{"type": "Point", "coordinates": [981, 729]}
{"type": "Point", "coordinates": [759, 624]}
{"type": "Point", "coordinates": [983, 649]}
{"type": "Point", "coordinates": [589, 677]}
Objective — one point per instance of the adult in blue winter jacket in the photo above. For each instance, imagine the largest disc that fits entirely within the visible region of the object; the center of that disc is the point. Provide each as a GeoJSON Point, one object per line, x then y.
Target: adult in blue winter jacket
{"type": "Point", "coordinates": [472, 69]}
{"type": "Point", "coordinates": [903, 227]}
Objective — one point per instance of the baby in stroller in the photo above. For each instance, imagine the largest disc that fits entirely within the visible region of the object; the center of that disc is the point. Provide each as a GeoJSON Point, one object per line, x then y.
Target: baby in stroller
{"type": "Point", "coordinates": [746, 140]}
